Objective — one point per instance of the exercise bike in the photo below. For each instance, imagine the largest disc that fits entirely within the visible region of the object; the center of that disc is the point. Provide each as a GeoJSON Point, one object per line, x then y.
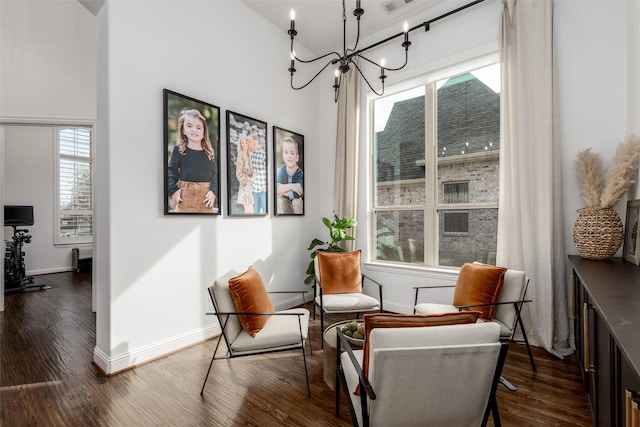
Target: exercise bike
{"type": "Point", "coordinates": [15, 273]}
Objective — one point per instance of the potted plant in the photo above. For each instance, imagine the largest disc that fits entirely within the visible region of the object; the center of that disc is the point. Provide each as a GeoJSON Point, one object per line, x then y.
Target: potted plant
{"type": "Point", "coordinates": [337, 233]}
{"type": "Point", "coordinates": [598, 231]}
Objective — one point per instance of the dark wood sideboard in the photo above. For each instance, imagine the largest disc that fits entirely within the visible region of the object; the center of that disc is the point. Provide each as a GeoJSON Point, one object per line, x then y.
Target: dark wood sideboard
{"type": "Point", "coordinates": [606, 312]}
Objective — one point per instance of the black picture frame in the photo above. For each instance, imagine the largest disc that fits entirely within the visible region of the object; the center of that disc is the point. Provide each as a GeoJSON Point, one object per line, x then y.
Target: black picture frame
{"type": "Point", "coordinates": [288, 201]}
{"type": "Point", "coordinates": [631, 248]}
{"type": "Point", "coordinates": [175, 105]}
{"type": "Point", "coordinates": [240, 126]}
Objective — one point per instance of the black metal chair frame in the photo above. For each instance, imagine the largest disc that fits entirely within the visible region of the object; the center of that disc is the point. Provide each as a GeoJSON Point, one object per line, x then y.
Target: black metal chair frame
{"type": "Point", "coordinates": [517, 305]}
{"type": "Point", "coordinates": [223, 318]}
{"type": "Point", "coordinates": [341, 382]}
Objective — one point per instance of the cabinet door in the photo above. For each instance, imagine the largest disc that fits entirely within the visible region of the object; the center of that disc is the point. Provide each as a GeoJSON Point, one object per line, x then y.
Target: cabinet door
{"type": "Point", "coordinates": [603, 349]}
{"type": "Point", "coordinates": [627, 380]}
{"type": "Point", "coordinates": [578, 324]}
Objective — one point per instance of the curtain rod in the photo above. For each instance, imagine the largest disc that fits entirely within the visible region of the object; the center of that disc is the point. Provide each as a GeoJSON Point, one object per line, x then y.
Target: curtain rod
{"type": "Point", "coordinates": [425, 24]}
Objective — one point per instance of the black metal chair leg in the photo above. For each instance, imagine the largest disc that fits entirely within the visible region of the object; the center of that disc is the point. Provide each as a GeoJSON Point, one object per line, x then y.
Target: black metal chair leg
{"type": "Point", "coordinates": [526, 340]}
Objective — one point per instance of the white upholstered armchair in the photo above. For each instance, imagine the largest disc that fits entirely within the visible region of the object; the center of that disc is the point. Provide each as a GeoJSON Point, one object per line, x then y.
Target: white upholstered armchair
{"type": "Point", "coordinates": [250, 325]}
{"type": "Point", "coordinates": [339, 285]}
{"type": "Point", "coordinates": [435, 375]}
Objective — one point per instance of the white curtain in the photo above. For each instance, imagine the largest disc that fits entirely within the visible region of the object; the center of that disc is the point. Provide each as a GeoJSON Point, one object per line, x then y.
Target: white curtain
{"type": "Point", "coordinates": [345, 198]}
{"type": "Point", "coordinates": [530, 225]}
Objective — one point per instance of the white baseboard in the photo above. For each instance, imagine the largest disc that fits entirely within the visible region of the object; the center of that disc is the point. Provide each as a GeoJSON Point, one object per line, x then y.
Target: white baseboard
{"type": "Point", "coordinates": [128, 359]}
{"type": "Point", "coordinates": [119, 362]}
{"type": "Point", "coordinates": [48, 271]}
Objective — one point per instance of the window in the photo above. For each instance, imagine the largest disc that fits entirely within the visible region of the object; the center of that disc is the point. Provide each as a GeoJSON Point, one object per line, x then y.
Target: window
{"type": "Point", "coordinates": [456, 223]}
{"type": "Point", "coordinates": [456, 192]}
{"type": "Point", "coordinates": [435, 171]}
{"type": "Point", "coordinates": [74, 219]}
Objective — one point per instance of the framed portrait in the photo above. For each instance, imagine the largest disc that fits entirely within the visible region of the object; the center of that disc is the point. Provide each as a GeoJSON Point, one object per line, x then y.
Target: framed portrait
{"type": "Point", "coordinates": [288, 167]}
{"type": "Point", "coordinates": [631, 248]}
{"type": "Point", "coordinates": [191, 156]}
{"type": "Point", "coordinates": [247, 183]}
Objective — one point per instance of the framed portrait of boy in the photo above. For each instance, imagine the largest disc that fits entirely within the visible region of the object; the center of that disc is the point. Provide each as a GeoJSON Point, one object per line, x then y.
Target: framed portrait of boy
{"type": "Point", "coordinates": [191, 156]}
{"type": "Point", "coordinates": [631, 248]}
{"type": "Point", "coordinates": [247, 183]}
{"type": "Point", "coordinates": [288, 166]}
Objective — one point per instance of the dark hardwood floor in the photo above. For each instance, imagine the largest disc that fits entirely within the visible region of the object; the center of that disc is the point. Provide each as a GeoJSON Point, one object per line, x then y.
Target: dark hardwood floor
{"type": "Point", "coordinates": [47, 378]}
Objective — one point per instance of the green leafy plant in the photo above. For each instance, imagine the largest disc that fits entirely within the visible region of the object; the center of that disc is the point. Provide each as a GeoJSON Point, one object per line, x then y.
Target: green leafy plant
{"type": "Point", "coordinates": [338, 233]}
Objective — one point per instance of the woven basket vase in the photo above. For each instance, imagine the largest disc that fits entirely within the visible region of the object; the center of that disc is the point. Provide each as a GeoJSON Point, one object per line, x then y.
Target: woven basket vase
{"type": "Point", "coordinates": [598, 233]}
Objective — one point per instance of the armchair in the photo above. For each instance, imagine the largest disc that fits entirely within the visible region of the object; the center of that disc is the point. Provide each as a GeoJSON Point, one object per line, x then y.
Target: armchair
{"type": "Point", "coordinates": [338, 285]}
{"type": "Point", "coordinates": [249, 323]}
{"type": "Point", "coordinates": [436, 375]}
{"type": "Point", "coordinates": [508, 302]}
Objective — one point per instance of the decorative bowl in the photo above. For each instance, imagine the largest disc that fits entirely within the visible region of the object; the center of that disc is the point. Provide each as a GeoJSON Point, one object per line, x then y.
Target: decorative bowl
{"type": "Point", "coordinates": [354, 341]}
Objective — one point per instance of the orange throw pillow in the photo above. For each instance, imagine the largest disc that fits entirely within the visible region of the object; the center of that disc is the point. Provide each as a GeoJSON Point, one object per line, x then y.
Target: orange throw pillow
{"type": "Point", "coordinates": [340, 272]}
{"type": "Point", "coordinates": [250, 295]}
{"type": "Point", "coordinates": [479, 284]}
{"type": "Point", "coordinates": [394, 320]}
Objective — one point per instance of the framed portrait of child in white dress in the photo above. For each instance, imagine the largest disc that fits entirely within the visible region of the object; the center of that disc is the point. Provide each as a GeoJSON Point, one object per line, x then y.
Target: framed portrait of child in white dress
{"type": "Point", "coordinates": [247, 183]}
{"type": "Point", "coordinates": [288, 167]}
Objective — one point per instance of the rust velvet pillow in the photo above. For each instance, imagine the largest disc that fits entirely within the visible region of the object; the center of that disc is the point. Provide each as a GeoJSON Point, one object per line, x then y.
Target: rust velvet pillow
{"type": "Point", "coordinates": [394, 320]}
{"type": "Point", "coordinates": [340, 272]}
{"type": "Point", "coordinates": [479, 284]}
{"type": "Point", "coordinates": [250, 295]}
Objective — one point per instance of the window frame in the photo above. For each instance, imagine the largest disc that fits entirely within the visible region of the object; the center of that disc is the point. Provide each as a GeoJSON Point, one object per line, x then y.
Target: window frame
{"type": "Point", "coordinates": [58, 239]}
{"type": "Point", "coordinates": [432, 206]}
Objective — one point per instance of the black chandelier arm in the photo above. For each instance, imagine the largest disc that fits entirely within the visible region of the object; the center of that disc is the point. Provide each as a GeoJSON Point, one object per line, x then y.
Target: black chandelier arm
{"type": "Point", "coordinates": [367, 81]}
{"type": "Point", "coordinates": [312, 79]}
{"type": "Point", "coordinates": [314, 59]}
{"type": "Point", "coordinates": [385, 68]}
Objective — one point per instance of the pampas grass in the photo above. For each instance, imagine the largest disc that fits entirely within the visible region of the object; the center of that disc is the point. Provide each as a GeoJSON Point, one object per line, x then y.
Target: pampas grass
{"type": "Point", "coordinates": [589, 173]}
{"type": "Point", "coordinates": [623, 171]}
{"type": "Point", "coordinates": [621, 175]}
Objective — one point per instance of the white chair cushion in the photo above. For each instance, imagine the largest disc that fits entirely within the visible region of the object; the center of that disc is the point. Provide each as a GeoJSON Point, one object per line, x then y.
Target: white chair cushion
{"type": "Point", "coordinates": [279, 331]}
{"type": "Point", "coordinates": [225, 304]}
{"type": "Point", "coordinates": [448, 385]}
{"type": "Point", "coordinates": [431, 308]}
{"type": "Point", "coordinates": [512, 289]}
{"type": "Point", "coordinates": [344, 303]}
{"type": "Point", "coordinates": [351, 376]}
{"type": "Point", "coordinates": [467, 333]}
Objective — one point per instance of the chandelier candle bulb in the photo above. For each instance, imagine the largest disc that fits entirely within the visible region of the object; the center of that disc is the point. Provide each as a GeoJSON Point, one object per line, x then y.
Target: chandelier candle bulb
{"type": "Point", "coordinates": [292, 16]}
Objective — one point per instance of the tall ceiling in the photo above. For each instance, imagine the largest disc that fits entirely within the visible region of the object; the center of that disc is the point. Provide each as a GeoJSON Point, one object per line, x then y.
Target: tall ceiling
{"type": "Point", "coordinates": [319, 22]}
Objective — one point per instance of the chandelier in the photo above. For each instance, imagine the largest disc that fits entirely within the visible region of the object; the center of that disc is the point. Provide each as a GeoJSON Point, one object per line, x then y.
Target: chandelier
{"type": "Point", "coordinates": [346, 60]}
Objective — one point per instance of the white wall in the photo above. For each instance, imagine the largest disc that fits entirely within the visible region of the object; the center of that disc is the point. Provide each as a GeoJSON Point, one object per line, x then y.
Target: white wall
{"type": "Point", "coordinates": [153, 270]}
{"type": "Point", "coordinates": [633, 74]}
{"type": "Point", "coordinates": [47, 60]}
{"type": "Point", "coordinates": [29, 177]}
{"type": "Point", "coordinates": [592, 42]}
{"type": "Point", "coordinates": [48, 68]}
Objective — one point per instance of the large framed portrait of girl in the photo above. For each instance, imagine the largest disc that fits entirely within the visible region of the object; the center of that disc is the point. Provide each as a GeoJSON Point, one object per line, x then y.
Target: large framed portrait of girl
{"type": "Point", "coordinates": [288, 165]}
{"type": "Point", "coordinates": [191, 156]}
{"type": "Point", "coordinates": [247, 183]}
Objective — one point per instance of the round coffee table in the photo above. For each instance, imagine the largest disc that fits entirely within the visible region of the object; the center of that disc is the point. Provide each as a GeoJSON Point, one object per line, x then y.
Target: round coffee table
{"type": "Point", "coordinates": [329, 338]}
